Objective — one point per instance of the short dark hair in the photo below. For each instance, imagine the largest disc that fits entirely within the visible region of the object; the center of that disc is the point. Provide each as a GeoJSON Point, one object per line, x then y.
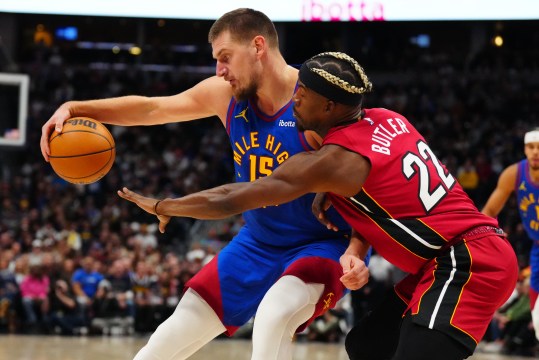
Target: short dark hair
{"type": "Point", "coordinates": [244, 24]}
{"type": "Point", "coordinates": [337, 76]}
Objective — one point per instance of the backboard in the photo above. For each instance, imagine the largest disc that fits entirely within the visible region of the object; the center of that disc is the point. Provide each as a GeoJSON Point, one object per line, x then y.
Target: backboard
{"type": "Point", "coordinates": [13, 108]}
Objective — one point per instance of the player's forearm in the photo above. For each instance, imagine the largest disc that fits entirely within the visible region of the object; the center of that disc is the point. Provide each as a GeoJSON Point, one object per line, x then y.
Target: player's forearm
{"type": "Point", "coordinates": [216, 203]}
{"type": "Point", "coordinates": [493, 206]}
{"type": "Point", "coordinates": [125, 111]}
{"type": "Point", "coordinates": [357, 246]}
{"type": "Point", "coordinates": [489, 212]}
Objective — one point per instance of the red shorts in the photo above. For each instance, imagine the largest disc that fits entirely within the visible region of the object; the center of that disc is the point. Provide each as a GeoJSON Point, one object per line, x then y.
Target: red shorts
{"type": "Point", "coordinates": [310, 270]}
{"type": "Point", "coordinates": [459, 291]}
{"type": "Point", "coordinates": [320, 271]}
{"type": "Point", "coordinates": [533, 298]}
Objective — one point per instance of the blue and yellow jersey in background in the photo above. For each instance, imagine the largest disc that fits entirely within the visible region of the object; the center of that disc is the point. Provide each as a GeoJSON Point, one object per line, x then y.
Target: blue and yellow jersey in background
{"type": "Point", "coordinates": [260, 143]}
{"type": "Point", "coordinates": [528, 207]}
{"type": "Point", "coordinates": [528, 200]}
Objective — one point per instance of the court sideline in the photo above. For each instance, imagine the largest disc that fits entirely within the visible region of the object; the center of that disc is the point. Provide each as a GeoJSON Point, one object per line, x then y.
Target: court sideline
{"type": "Point", "coordinates": [20, 347]}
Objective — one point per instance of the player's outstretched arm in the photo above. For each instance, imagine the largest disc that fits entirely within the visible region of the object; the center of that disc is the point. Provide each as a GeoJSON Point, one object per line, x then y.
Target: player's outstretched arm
{"type": "Point", "coordinates": [147, 204]}
{"type": "Point", "coordinates": [208, 98]}
{"type": "Point", "coordinates": [325, 170]}
{"type": "Point", "coordinates": [504, 188]}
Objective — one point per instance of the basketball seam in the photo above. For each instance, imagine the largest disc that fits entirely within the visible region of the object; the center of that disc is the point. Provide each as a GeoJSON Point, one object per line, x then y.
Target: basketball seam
{"type": "Point", "coordinates": [84, 131]}
{"type": "Point", "coordinates": [82, 177]}
{"type": "Point", "coordinates": [80, 155]}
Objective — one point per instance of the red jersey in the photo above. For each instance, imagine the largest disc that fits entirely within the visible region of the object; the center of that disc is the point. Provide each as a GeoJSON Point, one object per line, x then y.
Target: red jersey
{"type": "Point", "coordinates": [410, 207]}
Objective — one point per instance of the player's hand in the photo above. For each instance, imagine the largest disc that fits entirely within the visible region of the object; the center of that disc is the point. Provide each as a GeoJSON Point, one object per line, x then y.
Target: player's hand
{"type": "Point", "coordinates": [145, 203]}
{"type": "Point", "coordinates": [56, 122]}
{"type": "Point", "coordinates": [320, 205]}
{"type": "Point", "coordinates": [356, 273]}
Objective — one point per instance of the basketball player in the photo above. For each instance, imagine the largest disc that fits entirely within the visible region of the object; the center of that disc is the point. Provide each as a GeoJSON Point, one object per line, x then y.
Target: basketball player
{"type": "Point", "coordinates": [283, 265]}
{"type": "Point", "coordinates": [523, 179]}
{"type": "Point", "coordinates": [384, 179]}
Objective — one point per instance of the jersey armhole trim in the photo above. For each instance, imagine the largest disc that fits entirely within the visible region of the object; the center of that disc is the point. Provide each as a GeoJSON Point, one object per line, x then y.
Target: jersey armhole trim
{"type": "Point", "coordinates": [231, 106]}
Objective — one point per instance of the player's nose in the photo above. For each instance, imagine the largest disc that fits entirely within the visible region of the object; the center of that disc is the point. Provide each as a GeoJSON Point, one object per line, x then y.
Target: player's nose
{"type": "Point", "coordinates": [220, 70]}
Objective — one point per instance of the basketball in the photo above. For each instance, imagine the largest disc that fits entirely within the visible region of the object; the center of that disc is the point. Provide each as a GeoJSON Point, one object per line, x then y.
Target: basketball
{"type": "Point", "coordinates": [83, 152]}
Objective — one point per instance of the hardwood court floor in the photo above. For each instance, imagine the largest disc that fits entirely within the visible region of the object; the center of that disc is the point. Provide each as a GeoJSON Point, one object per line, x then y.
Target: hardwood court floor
{"type": "Point", "coordinates": [13, 347]}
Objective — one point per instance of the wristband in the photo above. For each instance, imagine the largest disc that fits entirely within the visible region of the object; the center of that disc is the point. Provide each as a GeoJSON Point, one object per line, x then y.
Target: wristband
{"type": "Point", "coordinates": [155, 207]}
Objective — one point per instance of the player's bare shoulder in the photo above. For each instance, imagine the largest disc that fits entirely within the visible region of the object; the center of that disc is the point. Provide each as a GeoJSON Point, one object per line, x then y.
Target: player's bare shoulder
{"type": "Point", "coordinates": [220, 93]}
{"type": "Point", "coordinates": [207, 98]}
{"type": "Point", "coordinates": [508, 177]}
{"type": "Point", "coordinates": [216, 86]}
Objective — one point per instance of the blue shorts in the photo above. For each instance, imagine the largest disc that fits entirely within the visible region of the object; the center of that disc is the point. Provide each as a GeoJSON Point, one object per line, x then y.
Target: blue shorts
{"type": "Point", "coordinates": [237, 279]}
{"type": "Point", "coordinates": [534, 267]}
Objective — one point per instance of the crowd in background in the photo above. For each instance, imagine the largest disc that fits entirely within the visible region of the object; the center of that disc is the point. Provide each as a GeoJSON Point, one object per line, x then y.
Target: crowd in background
{"type": "Point", "coordinates": [78, 257]}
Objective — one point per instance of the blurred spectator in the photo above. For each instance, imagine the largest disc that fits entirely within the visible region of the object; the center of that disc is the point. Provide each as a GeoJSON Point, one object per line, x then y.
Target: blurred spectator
{"type": "Point", "coordinates": [168, 293]}
{"type": "Point", "coordinates": [21, 268]}
{"type": "Point", "coordinates": [37, 251]}
{"type": "Point", "coordinates": [66, 270]}
{"type": "Point", "coordinates": [513, 331]}
{"type": "Point", "coordinates": [73, 237]}
{"type": "Point", "coordinates": [121, 288]}
{"type": "Point", "coordinates": [103, 304]}
{"type": "Point", "coordinates": [486, 177]}
{"type": "Point", "coordinates": [64, 312]}
{"type": "Point", "coordinates": [333, 325]}
{"type": "Point", "coordinates": [145, 235]}
{"type": "Point", "coordinates": [328, 328]}
{"type": "Point", "coordinates": [468, 178]}
{"type": "Point", "coordinates": [197, 253]}
{"type": "Point", "coordinates": [34, 292]}
{"type": "Point", "coordinates": [114, 305]}
{"type": "Point", "coordinates": [9, 295]}
{"type": "Point", "coordinates": [85, 282]}
{"type": "Point", "coordinates": [148, 300]}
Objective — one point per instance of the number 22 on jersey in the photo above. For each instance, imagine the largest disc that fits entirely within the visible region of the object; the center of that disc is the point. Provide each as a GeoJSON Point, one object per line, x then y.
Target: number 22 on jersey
{"type": "Point", "coordinates": [434, 181]}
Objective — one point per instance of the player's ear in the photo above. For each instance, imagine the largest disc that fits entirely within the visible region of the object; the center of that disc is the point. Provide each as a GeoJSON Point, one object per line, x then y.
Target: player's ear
{"type": "Point", "coordinates": [330, 105]}
{"type": "Point", "coordinates": [259, 43]}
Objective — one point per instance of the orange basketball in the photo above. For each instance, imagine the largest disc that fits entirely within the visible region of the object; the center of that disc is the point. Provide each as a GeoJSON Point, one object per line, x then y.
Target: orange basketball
{"type": "Point", "coordinates": [83, 152]}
